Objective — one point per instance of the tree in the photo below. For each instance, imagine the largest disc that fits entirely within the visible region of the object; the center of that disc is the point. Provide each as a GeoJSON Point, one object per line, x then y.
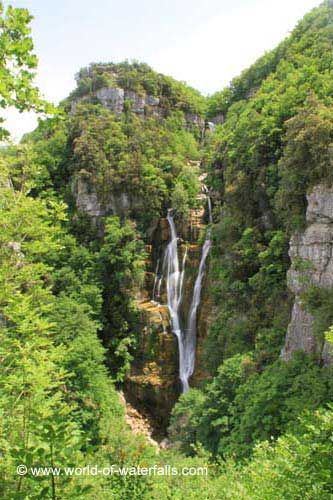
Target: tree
{"type": "Point", "coordinates": [17, 63]}
{"type": "Point", "coordinates": [121, 258]}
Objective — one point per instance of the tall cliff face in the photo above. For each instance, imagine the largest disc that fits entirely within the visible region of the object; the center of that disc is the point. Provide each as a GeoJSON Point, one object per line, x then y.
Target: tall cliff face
{"type": "Point", "coordinates": [153, 382]}
{"type": "Point", "coordinates": [311, 254]}
{"type": "Point", "coordinates": [136, 142]}
{"type": "Point", "coordinates": [273, 144]}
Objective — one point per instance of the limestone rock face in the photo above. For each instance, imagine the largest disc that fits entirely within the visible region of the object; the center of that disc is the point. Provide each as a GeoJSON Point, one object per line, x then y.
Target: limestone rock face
{"type": "Point", "coordinates": [112, 98]}
{"type": "Point", "coordinates": [152, 384]}
{"type": "Point", "coordinates": [311, 264]}
{"type": "Point", "coordinates": [87, 200]}
{"type": "Point", "coordinates": [320, 205]}
{"type": "Point", "coordinates": [95, 204]}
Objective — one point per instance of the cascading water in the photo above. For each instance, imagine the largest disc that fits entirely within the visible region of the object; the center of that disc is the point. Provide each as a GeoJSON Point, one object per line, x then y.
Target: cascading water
{"type": "Point", "coordinates": [159, 275]}
{"type": "Point", "coordinates": [210, 217]}
{"type": "Point", "coordinates": [156, 282]}
{"type": "Point", "coordinates": [175, 280]}
{"type": "Point", "coordinates": [190, 336]}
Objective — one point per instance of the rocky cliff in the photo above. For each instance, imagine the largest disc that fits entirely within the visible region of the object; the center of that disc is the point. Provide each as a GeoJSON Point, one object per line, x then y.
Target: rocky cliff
{"type": "Point", "coordinates": [147, 145]}
{"type": "Point", "coordinates": [311, 264]}
{"type": "Point", "coordinates": [153, 383]}
{"type": "Point", "coordinates": [117, 100]}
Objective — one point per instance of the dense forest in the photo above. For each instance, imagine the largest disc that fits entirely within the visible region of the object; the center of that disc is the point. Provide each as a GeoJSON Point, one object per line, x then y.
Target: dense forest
{"type": "Point", "coordinates": [85, 203]}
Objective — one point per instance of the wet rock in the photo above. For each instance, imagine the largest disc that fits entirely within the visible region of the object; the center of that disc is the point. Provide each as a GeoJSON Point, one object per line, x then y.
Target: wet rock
{"type": "Point", "coordinates": [153, 382]}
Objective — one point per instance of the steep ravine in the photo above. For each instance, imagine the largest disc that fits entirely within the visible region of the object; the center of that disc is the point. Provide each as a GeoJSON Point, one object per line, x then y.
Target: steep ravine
{"type": "Point", "coordinates": [153, 383]}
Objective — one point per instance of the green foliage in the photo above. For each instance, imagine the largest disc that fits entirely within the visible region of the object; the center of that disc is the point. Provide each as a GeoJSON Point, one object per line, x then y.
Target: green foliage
{"type": "Point", "coordinates": [121, 258]}
{"type": "Point", "coordinates": [268, 403]}
{"type": "Point", "coordinates": [329, 335]}
{"type": "Point", "coordinates": [319, 302]}
{"type": "Point", "coordinates": [67, 280]}
{"type": "Point", "coordinates": [17, 63]}
{"type": "Point", "coordinates": [139, 78]}
{"type": "Point", "coordinates": [185, 429]}
{"type": "Point", "coordinates": [205, 417]}
{"type": "Point", "coordinates": [272, 148]}
{"type": "Point", "coordinates": [186, 190]}
{"type": "Point", "coordinates": [33, 378]}
{"type": "Point", "coordinates": [241, 406]}
{"type": "Point", "coordinates": [58, 405]}
{"type": "Point", "coordinates": [297, 466]}
{"type": "Point", "coordinates": [247, 273]}
{"type": "Point", "coordinates": [307, 159]}
{"type": "Point", "coordinates": [124, 156]}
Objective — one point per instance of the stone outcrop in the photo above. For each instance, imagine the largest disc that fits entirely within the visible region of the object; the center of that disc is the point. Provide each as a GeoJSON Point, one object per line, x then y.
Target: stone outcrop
{"type": "Point", "coordinates": [93, 204]}
{"type": "Point", "coordinates": [115, 99]}
{"type": "Point", "coordinates": [112, 98]}
{"type": "Point", "coordinates": [311, 264]}
{"type": "Point", "coordinates": [152, 384]}
{"type": "Point", "coordinates": [139, 423]}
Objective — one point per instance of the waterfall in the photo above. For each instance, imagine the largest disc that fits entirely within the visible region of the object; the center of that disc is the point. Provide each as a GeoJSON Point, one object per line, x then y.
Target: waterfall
{"type": "Point", "coordinates": [182, 274]}
{"type": "Point", "coordinates": [175, 281]}
{"type": "Point", "coordinates": [156, 281]}
{"type": "Point", "coordinates": [210, 217]}
{"type": "Point", "coordinates": [191, 325]}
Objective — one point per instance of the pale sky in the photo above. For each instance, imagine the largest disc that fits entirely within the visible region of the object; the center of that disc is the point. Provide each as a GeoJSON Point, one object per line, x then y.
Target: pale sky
{"type": "Point", "coordinates": [203, 42]}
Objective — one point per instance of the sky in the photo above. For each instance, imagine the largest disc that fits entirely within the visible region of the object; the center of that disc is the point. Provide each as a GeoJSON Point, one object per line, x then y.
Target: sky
{"type": "Point", "coordinates": [203, 42]}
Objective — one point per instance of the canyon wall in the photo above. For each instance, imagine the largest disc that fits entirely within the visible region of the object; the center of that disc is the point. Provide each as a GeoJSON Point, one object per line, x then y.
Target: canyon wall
{"type": "Point", "coordinates": [311, 264]}
{"type": "Point", "coordinates": [153, 382]}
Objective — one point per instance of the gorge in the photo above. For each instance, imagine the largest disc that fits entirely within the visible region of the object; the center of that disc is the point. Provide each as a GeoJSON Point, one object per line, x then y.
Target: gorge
{"type": "Point", "coordinates": [166, 282]}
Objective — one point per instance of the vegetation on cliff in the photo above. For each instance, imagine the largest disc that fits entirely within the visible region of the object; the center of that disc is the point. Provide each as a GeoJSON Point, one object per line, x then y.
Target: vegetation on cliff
{"type": "Point", "coordinates": [141, 79]}
{"type": "Point", "coordinates": [275, 143]}
{"type": "Point", "coordinates": [69, 277]}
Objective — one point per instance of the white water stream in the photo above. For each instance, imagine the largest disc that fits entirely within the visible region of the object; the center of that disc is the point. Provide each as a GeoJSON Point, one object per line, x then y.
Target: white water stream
{"type": "Point", "coordinates": [174, 284]}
